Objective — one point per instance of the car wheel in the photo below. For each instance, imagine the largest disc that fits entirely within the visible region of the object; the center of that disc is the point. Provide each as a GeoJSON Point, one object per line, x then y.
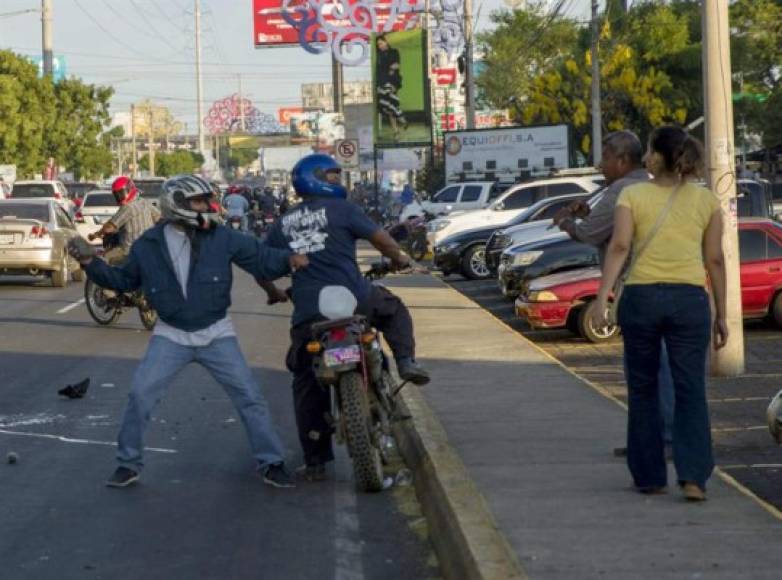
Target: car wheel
{"type": "Point", "coordinates": [776, 309]}
{"type": "Point", "coordinates": [61, 277]}
{"type": "Point", "coordinates": [588, 330]}
{"type": "Point", "coordinates": [474, 263]}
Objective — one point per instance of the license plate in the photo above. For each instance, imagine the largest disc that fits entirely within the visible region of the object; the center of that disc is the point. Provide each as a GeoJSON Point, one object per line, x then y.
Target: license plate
{"type": "Point", "coordinates": [341, 356]}
{"type": "Point", "coordinates": [6, 239]}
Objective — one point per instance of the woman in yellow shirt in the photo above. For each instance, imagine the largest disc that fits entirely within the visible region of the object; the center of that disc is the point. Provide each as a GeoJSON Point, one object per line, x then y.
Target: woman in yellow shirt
{"type": "Point", "coordinates": [675, 230]}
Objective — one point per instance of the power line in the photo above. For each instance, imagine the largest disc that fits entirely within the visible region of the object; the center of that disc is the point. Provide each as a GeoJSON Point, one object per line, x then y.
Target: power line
{"type": "Point", "coordinates": [154, 29]}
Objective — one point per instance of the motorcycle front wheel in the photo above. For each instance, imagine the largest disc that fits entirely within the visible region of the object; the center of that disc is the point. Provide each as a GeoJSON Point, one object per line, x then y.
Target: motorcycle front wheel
{"type": "Point", "coordinates": [367, 461]}
{"type": "Point", "coordinates": [103, 311]}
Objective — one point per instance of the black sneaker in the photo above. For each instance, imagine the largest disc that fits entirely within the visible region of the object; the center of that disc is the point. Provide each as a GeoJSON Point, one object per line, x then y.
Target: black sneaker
{"type": "Point", "coordinates": [409, 370]}
{"type": "Point", "coordinates": [276, 475]}
{"type": "Point", "coordinates": [313, 473]}
{"type": "Point", "coordinates": [122, 477]}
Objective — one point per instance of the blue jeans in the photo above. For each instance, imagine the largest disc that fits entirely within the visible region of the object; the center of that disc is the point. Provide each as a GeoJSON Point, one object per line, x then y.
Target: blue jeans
{"type": "Point", "coordinates": [667, 397]}
{"type": "Point", "coordinates": [678, 314]}
{"type": "Point", "coordinates": [225, 362]}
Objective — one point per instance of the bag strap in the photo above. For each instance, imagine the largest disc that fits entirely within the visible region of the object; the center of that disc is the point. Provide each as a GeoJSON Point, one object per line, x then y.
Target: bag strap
{"type": "Point", "coordinates": [653, 232]}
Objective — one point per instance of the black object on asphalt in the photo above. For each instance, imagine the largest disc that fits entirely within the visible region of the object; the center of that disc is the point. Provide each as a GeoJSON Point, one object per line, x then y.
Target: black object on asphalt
{"type": "Point", "coordinates": [76, 391]}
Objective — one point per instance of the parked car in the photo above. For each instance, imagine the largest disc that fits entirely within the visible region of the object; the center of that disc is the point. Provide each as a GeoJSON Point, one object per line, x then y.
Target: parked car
{"type": "Point", "coordinates": [464, 252]}
{"type": "Point", "coordinates": [511, 203]}
{"type": "Point", "coordinates": [151, 188]}
{"type": "Point", "coordinates": [522, 263]}
{"type": "Point", "coordinates": [754, 199]}
{"type": "Point", "coordinates": [455, 197]}
{"type": "Point", "coordinates": [53, 190]}
{"type": "Point", "coordinates": [564, 300]}
{"type": "Point", "coordinates": [33, 237]}
{"type": "Point", "coordinates": [96, 209]}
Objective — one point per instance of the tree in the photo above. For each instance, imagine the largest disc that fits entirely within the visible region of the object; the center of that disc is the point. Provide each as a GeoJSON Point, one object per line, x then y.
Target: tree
{"type": "Point", "coordinates": [173, 163]}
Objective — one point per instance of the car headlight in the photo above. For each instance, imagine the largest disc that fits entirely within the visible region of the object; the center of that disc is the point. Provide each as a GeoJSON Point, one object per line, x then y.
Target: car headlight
{"type": "Point", "coordinates": [542, 296]}
{"type": "Point", "coordinates": [438, 225]}
{"type": "Point", "coordinates": [526, 258]}
{"type": "Point", "coordinates": [447, 247]}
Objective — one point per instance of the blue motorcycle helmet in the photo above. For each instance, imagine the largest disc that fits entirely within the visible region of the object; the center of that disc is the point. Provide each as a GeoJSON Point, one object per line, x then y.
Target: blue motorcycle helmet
{"type": "Point", "coordinates": [318, 175]}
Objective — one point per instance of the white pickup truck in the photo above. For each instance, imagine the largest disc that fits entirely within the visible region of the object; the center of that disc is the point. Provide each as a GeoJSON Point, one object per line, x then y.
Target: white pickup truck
{"type": "Point", "coordinates": [456, 197]}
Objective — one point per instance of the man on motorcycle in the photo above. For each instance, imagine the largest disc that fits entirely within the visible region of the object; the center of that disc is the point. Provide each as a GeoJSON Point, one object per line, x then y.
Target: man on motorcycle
{"type": "Point", "coordinates": [184, 267]}
{"type": "Point", "coordinates": [236, 206]}
{"type": "Point", "coordinates": [134, 216]}
{"type": "Point", "coordinates": [325, 227]}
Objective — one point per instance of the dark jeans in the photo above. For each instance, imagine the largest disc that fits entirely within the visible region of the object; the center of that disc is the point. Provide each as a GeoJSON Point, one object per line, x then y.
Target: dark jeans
{"type": "Point", "coordinates": [679, 314]}
{"type": "Point", "coordinates": [312, 401]}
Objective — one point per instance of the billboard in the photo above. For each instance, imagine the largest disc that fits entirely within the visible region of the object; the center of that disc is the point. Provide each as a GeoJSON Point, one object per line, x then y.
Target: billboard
{"type": "Point", "coordinates": [319, 129]}
{"type": "Point", "coordinates": [304, 22]}
{"type": "Point", "coordinates": [284, 114]}
{"type": "Point", "coordinates": [401, 90]}
{"type": "Point", "coordinates": [511, 152]}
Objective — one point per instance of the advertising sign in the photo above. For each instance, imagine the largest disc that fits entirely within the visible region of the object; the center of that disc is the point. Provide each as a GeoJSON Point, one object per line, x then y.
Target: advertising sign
{"type": "Point", "coordinates": [508, 151]}
{"type": "Point", "coordinates": [401, 90]}
{"type": "Point", "coordinates": [59, 69]}
{"type": "Point", "coordinates": [284, 114]}
{"type": "Point", "coordinates": [346, 152]}
{"type": "Point", "coordinates": [319, 129]}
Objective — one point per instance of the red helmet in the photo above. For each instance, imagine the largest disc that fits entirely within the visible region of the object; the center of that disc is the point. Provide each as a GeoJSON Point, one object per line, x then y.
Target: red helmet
{"type": "Point", "coordinates": [124, 190]}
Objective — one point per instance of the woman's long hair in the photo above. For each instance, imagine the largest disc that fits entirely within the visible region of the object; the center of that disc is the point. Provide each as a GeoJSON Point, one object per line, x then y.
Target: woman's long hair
{"type": "Point", "coordinates": [681, 153]}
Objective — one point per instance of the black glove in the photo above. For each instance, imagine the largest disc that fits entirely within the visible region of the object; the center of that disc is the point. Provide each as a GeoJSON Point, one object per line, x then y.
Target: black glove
{"type": "Point", "coordinates": [81, 250]}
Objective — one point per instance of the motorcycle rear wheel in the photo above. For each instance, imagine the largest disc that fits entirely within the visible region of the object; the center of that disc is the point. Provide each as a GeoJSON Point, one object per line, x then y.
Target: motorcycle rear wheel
{"type": "Point", "coordinates": [367, 461]}
{"type": "Point", "coordinates": [102, 312]}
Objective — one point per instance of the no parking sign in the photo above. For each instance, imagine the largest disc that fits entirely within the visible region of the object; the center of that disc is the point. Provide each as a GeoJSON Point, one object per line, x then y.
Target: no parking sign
{"type": "Point", "coordinates": [346, 152]}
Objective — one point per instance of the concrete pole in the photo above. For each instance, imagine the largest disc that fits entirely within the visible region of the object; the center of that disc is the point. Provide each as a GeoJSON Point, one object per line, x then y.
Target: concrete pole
{"type": "Point", "coordinates": [151, 139]}
{"type": "Point", "coordinates": [241, 105]}
{"type": "Point", "coordinates": [134, 150]}
{"type": "Point", "coordinates": [199, 80]}
{"type": "Point", "coordinates": [469, 81]}
{"type": "Point", "coordinates": [337, 85]}
{"type": "Point", "coordinates": [48, 53]}
{"type": "Point", "coordinates": [597, 113]}
{"type": "Point", "coordinates": [720, 170]}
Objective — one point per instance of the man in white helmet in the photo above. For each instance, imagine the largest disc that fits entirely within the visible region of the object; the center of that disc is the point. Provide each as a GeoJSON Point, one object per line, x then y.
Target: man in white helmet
{"type": "Point", "coordinates": [183, 265]}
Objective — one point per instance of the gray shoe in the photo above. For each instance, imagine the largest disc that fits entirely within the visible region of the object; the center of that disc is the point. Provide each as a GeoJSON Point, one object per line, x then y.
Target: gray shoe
{"type": "Point", "coordinates": [409, 370]}
{"type": "Point", "coordinates": [276, 475]}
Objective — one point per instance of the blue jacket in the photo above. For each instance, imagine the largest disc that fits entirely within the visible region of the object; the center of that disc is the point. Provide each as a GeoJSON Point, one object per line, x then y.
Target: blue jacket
{"type": "Point", "coordinates": [150, 268]}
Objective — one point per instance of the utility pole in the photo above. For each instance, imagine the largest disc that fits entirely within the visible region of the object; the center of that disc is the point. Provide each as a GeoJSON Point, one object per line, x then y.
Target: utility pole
{"type": "Point", "coordinates": [199, 79]}
{"type": "Point", "coordinates": [597, 114]}
{"type": "Point", "coordinates": [720, 170]}
{"type": "Point", "coordinates": [241, 104]}
{"type": "Point", "coordinates": [134, 150]}
{"type": "Point", "coordinates": [151, 139]}
{"type": "Point", "coordinates": [46, 21]}
{"type": "Point", "coordinates": [469, 81]}
{"type": "Point", "coordinates": [337, 83]}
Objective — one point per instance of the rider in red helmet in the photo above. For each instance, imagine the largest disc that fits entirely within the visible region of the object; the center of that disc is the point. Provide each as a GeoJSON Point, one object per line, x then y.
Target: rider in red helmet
{"type": "Point", "coordinates": [135, 216]}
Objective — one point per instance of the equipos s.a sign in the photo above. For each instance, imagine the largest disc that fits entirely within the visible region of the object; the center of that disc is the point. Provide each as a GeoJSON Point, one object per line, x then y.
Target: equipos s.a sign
{"type": "Point", "coordinates": [506, 151]}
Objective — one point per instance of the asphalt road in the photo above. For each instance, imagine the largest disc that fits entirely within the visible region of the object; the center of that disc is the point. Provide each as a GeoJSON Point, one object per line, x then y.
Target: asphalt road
{"type": "Point", "coordinates": [200, 511]}
{"type": "Point", "coordinates": [743, 447]}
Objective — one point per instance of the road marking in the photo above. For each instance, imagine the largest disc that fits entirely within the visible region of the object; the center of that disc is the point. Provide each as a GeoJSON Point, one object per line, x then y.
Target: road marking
{"type": "Point", "coordinates": [71, 306]}
{"type": "Point", "coordinates": [348, 548]}
{"type": "Point", "coordinates": [64, 439]}
{"type": "Point", "coordinates": [737, 429]}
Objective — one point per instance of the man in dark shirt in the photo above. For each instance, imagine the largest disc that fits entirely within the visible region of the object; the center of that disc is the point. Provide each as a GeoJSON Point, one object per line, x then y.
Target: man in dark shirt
{"type": "Point", "coordinates": [325, 228]}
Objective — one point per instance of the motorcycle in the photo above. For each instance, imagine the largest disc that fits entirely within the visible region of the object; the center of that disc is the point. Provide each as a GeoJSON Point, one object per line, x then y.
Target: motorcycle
{"type": "Point", "coordinates": [349, 359]}
{"type": "Point", "coordinates": [411, 235]}
{"type": "Point", "coordinates": [106, 306]}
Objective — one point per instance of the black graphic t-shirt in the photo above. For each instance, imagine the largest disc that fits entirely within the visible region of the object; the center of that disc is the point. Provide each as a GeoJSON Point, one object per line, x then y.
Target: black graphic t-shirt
{"type": "Point", "coordinates": [326, 231]}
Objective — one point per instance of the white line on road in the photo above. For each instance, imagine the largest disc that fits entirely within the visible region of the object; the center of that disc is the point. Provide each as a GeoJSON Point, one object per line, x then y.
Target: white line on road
{"type": "Point", "coordinates": [348, 547]}
{"type": "Point", "coordinates": [71, 306]}
{"type": "Point", "coordinates": [80, 441]}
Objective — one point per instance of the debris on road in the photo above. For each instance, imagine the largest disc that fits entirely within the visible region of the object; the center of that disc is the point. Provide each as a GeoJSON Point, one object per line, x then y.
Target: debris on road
{"type": "Point", "coordinates": [76, 391]}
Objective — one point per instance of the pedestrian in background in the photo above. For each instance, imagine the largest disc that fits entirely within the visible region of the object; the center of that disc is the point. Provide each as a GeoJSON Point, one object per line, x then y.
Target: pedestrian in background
{"type": "Point", "coordinates": [675, 229]}
{"type": "Point", "coordinates": [622, 165]}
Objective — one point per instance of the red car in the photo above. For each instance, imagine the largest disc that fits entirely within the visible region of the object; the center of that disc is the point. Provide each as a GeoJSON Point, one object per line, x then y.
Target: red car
{"type": "Point", "coordinates": [565, 299]}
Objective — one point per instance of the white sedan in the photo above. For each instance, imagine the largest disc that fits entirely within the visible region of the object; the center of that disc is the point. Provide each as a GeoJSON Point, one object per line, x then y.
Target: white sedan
{"type": "Point", "coordinates": [96, 209]}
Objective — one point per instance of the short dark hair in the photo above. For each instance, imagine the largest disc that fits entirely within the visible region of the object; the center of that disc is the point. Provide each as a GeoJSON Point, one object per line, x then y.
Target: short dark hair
{"type": "Point", "coordinates": [625, 144]}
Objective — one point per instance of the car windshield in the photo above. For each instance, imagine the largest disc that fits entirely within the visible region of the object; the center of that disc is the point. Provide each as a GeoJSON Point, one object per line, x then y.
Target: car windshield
{"type": "Point", "coordinates": [151, 189]}
{"type": "Point", "coordinates": [33, 190]}
{"type": "Point", "coordinates": [28, 211]}
{"type": "Point", "coordinates": [99, 199]}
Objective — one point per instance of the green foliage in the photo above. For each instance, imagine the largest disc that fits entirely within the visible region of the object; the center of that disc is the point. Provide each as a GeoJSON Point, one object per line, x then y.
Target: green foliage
{"type": "Point", "coordinates": [39, 119]}
{"type": "Point", "coordinates": [240, 158]}
{"type": "Point", "coordinates": [650, 64]}
{"type": "Point", "coordinates": [174, 163]}
{"type": "Point", "coordinates": [431, 178]}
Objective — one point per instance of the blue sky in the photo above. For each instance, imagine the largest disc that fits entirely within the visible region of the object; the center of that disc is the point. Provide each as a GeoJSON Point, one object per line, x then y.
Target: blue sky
{"type": "Point", "coordinates": [145, 48]}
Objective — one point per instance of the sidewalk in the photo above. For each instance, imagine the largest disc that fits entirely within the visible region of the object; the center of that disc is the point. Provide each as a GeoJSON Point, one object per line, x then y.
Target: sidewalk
{"type": "Point", "coordinates": [537, 441]}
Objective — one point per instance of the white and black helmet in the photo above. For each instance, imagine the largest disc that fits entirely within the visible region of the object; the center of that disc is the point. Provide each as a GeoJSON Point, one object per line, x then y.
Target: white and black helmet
{"type": "Point", "coordinates": [774, 418]}
{"type": "Point", "coordinates": [175, 206]}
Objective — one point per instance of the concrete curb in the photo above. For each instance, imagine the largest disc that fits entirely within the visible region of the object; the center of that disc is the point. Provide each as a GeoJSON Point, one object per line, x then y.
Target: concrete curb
{"type": "Point", "coordinates": [467, 540]}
